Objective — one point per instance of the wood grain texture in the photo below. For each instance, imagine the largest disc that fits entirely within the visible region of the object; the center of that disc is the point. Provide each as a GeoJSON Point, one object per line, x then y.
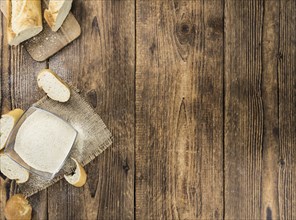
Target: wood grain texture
{"type": "Point", "coordinates": [244, 113]}
{"type": "Point", "coordinates": [287, 109]}
{"type": "Point", "coordinates": [260, 120]}
{"type": "Point", "coordinates": [101, 65]}
{"type": "Point", "coordinates": [4, 102]}
{"type": "Point", "coordinates": [270, 152]}
{"type": "Point", "coordinates": [5, 85]}
{"type": "Point", "coordinates": [48, 43]}
{"type": "Point", "coordinates": [179, 110]}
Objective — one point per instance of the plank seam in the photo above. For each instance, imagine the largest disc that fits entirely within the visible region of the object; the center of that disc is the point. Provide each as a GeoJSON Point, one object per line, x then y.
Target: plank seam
{"type": "Point", "coordinates": [1, 68]}
{"type": "Point", "coordinates": [223, 113]}
{"type": "Point", "coordinates": [278, 96]}
{"type": "Point", "coordinates": [261, 102]}
{"type": "Point", "coordinates": [135, 105]}
{"type": "Point", "coordinates": [9, 74]}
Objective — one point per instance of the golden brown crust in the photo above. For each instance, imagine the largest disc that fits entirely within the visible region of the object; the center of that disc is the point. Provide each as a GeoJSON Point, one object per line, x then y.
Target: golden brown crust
{"type": "Point", "coordinates": [16, 114]}
{"type": "Point", "coordinates": [48, 16]}
{"type": "Point", "coordinates": [82, 175]}
{"type": "Point", "coordinates": [18, 207]}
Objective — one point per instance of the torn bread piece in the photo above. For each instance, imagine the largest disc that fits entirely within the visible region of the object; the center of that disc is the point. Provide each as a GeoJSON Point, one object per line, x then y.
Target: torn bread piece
{"type": "Point", "coordinates": [7, 122]}
{"type": "Point", "coordinates": [12, 170]}
{"type": "Point", "coordinates": [24, 20]}
{"type": "Point", "coordinates": [18, 207]}
{"type": "Point", "coordinates": [57, 12]}
{"type": "Point", "coordinates": [79, 177]}
{"type": "Point", "coordinates": [53, 86]}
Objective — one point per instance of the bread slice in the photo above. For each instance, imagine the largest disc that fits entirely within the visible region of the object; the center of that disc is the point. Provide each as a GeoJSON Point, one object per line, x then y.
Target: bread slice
{"type": "Point", "coordinates": [18, 207]}
{"type": "Point", "coordinates": [7, 123]}
{"type": "Point", "coordinates": [79, 177]}
{"type": "Point", "coordinates": [57, 12]}
{"type": "Point", "coordinates": [12, 170]}
{"type": "Point", "coordinates": [24, 20]}
{"type": "Point", "coordinates": [53, 86]}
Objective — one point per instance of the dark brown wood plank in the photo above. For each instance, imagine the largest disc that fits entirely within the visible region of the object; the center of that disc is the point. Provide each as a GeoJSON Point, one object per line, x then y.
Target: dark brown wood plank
{"type": "Point", "coordinates": [5, 100]}
{"type": "Point", "coordinates": [243, 109]}
{"type": "Point", "coordinates": [5, 103]}
{"type": "Point", "coordinates": [2, 197]}
{"type": "Point", "coordinates": [260, 110]}
{"type": "Point", "coordinates": [287, 109]}
{"type": "Point", "coordinates": [179, 110]}
{"type": "Point", "coordinates": [101, 64]}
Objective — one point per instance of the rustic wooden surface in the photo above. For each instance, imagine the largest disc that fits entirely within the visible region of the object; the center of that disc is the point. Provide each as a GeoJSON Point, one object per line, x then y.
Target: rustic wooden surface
{"type": "Point", "coordinates": [200, 97]}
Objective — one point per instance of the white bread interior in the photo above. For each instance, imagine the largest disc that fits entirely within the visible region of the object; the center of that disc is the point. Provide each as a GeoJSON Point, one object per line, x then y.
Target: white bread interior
{"type": "Point", "coordinates": [53, 86]}
{"type": "Point", "coordinates": [24, 20]}
{"type": "Point", "coordinates": [12, 170]}
{"type": "Point", "coordinates": [57, 12]}
{"type": "Point", "coordinates": [7, 123]}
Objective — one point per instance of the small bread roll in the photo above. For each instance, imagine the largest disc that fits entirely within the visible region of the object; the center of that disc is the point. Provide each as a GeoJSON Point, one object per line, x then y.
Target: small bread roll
{"type": "Point", "coordinates": [18, 208]}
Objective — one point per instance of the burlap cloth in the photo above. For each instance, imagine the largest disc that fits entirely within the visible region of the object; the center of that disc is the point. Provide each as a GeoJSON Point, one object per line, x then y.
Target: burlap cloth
{"type": "Point", "coordinates": [93, 137]}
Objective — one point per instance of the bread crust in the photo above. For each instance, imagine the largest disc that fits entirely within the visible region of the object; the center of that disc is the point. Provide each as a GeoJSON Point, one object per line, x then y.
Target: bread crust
{"type": "Point", "coordinates": [82, 178]}
{"type": "Point", "coordinates": [12, 165]}
{"type": "Point", "coordinates": [54, 74]}
{"type": "Point", "coordinates": [18, 207]}
{"type": "Point", "coordinates": [49, 18]}
{"type": "Point", "coordinates": [28, 19]}
{"type": "Point", "coordinates": [54, 12]}
{"type": "Point", "coordinates": [40, 75]}
{"type": "Point", "coordinates": [16, 115]}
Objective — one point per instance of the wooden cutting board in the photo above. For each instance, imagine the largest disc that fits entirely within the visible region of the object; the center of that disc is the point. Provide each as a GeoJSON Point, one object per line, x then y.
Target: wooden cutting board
{"type": "Point", "coordinates": [47, 43]}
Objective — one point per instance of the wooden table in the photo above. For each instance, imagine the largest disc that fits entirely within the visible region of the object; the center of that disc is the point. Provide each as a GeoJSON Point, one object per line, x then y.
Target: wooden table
{"type": "Point", "coordinates": [200, 97]}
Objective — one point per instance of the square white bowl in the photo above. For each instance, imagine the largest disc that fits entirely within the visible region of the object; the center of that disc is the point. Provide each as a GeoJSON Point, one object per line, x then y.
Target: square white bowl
{"type": "Point", "coordinates": [45, 155]}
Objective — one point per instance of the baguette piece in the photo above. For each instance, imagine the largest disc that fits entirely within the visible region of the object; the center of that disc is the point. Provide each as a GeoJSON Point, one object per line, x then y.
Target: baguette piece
{"type": "Point", "coordinates": [12, 170]}
{"type": "Point", "coordinates": [79, 177]}
{"type": "Point", "coordinates": [57, 12]}
{"type": "Point", "coordinates": [53, 86]}
{"type": "Point", "coordinates": [7, 123]}
{"type": "Point", "coordinates": [24, 20]}
{"type": "Point", "coordinates": [18, 207]}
